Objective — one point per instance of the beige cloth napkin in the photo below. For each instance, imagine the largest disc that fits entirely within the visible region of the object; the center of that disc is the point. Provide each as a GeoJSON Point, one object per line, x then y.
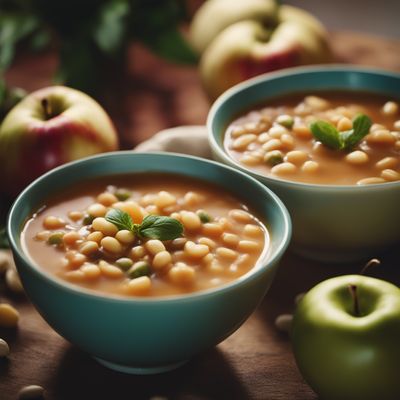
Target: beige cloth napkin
{"type": "Point", "coordinates": [191, 139]}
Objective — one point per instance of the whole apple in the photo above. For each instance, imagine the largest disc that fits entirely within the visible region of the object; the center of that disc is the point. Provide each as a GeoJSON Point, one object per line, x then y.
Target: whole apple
{"type": "Point", "coordinates": [346, 338]}
{"type": "Point", "coordinates": [253, 37]}
{"type": "Point", "coordinates": [216, 15]}
{"type": "Point", "coordinates": [50, 127]}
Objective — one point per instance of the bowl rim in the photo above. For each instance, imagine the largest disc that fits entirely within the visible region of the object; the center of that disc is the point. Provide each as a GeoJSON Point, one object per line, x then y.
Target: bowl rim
{"type": "Point", "coordinates": [288, 72]}
{"type": "Point", "coordinates": [80, 291]}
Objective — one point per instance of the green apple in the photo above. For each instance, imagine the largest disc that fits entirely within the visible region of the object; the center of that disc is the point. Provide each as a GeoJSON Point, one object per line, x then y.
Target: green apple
{"type": "Point", "coordinates": [47, 128]}
{"type": "Point", "coordinates": [249, 46]}
{"type": "Point", "coordinates": [346, 338]}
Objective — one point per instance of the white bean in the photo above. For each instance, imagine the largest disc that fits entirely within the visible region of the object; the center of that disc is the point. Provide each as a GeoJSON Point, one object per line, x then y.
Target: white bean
{"type": "Point", "coordinates": [111, 244]}
{"type": "Point", "coordinates": [31, 392]}
{"type": "Point", "coordinates": [310, 166]}
{"type": "Point", "coordinates": [273, 144]}
{"type": "Point", "coordinates": [284, 322]}
{"type": "Point", "coordinates": [4, 348]}
{"type": "Point", "coordinates": [9, 316]}
{"type": "Point", "coordinates": [161, 259]}
{"type": "Point", "coordinates": [390, 175]}
{"type": "Point", "coordinates": [390, 108]}
{"type": "Point", "coordinates": [194, 250]}
{"type": "Point", "coordinates": [370, 181]}
{"type": "Point", "coordinates": [13, 282]}
{"type": "Point", "coordinates": [296, 157]}
{"type": "Point", "coordinates": [285, 168]}
{"type": "Point", "coordinates": [139, 286]}
{"type": "Point", "coordinates": [243, 141]}
{"type": "Point", "coordinates": [381, 137]}
{"type": "Point", "coordinates": [154, 246]}
{"type": "Point", "coordinates": [344, 124]}
{"type": "Point", "coordinates": [190, 220]}
{"type": "Point", "coordinates": [97, 210]}
{"type": "Point", "coordinates": [357, 157]}
{"type": "Point", "coordinates": [387, 162]}
{"type": "Point", "coordinates": [182, 274]}
{"type": "Point", "coordinates": [241, 216]}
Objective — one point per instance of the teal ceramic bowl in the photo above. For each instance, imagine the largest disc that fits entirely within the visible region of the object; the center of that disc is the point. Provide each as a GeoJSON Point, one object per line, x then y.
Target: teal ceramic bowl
{"type": "Point", "coordinates": [331, 223]}
{"type": "Point", "coordinates": [153, 335]}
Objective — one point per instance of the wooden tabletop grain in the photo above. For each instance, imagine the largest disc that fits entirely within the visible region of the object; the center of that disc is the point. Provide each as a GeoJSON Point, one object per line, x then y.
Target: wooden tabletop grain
{"type": "Point", "coordinates": [256, 361]}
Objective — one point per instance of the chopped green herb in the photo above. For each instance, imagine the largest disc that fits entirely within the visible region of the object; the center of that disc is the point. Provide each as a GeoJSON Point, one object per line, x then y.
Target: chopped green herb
{"type": "Point", "coordinates": [88, 219]}
{"type": "Point", "coordinates": [204, 217]}
{"type": "Point", "coordinates": [124, 263]}
{"type": "Point", "coordinates": [140, 268]}
{"type": "Point", "coordinates": [122, 194]}
{"type": "Point", "coordinates": [285, 120]}
{"type": "Point", "coordinates": [152, 227]}
{"type": "Point", "coordinates": [55, 238]}
{"type": "Point", "coordinates": [273, 158]}
{"type": "Point", "coordinates": [328, 135]}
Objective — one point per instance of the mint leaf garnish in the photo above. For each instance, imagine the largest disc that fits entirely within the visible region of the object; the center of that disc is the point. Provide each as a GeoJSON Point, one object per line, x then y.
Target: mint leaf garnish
{"type": "Point", "coordinates": [328, 135]}
{"type": "Point", "coordinates": [121, 219]}
{"type": "Point", "coordinates": [152, 226]}
{"type": "Point", "coordinates": [361, 125]}
{"type": "Point", "coordinates": [160, 227]}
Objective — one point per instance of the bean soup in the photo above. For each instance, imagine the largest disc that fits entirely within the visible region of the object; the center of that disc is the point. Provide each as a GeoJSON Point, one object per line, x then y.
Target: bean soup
{"type": "Point", "coordinates": [145, 235]}
{"type": "Point", "coordinates": [340, 138]}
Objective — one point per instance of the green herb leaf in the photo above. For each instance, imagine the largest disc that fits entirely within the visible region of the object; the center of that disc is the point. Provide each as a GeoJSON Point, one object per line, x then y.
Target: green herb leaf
{"type": "Point", "coordinates": [120, 219]}
{"type": "Point", "coordinates": [204, 217]}
{"type": "Point", "coordinates": [160, 227]}
{"type": "Point", "coordinates": [361, 125]}
{"type": "Point", "coordinates": [327, 134]}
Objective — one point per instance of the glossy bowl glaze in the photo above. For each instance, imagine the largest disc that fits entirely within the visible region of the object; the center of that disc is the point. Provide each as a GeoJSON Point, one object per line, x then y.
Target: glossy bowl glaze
{"type": "Point", "coordinates": [148, 335]}
{"type": "Point", "coordinates": [331, 223]}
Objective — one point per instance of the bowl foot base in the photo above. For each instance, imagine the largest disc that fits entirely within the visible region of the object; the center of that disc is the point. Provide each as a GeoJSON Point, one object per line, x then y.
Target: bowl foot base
{"type": "Point", "coordinates": [139, 370]}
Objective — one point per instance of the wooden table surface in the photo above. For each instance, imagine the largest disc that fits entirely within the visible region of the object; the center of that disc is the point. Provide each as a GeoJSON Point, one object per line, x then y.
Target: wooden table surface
{"type": "Point", "coordinates": [256, 361]}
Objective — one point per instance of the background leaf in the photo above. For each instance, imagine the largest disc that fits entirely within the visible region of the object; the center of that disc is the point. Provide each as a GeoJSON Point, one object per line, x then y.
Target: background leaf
{"type": "Point", "coordinates": [111, 26]}
{"type": "Point", "coordinates": [13, 28]}
{"type": "Point", "coordinates": [172, 46]}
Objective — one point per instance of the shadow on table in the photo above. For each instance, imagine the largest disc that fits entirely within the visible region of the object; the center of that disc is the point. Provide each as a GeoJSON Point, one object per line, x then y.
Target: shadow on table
{"type": "Point", "coordinates": [207, 376]}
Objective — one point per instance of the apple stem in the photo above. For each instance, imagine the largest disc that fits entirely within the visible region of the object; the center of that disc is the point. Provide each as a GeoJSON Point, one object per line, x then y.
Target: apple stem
{"type": "Point", "coordinates": [354, 295]}
{"type": "Point", "coordinates": [46, 108]}
{"type": "Point", "coordinates": [369, 264]}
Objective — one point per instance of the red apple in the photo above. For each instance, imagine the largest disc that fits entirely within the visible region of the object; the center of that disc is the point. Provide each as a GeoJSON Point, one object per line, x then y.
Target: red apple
{"type": "Point", "coordinates": [50, 127]}
{"type": "Point", "coordinates": [250, 46]}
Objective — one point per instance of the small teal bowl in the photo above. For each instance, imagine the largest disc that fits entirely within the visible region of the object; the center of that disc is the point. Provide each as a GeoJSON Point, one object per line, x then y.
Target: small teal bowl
{"type": "Point", "coordinates": [138, 335]}
{"type": "Point", "coordinates": [331, 223]}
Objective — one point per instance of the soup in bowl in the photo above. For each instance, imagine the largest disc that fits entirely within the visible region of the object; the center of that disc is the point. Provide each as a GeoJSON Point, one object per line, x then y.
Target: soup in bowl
{"type": "Point", "coordinates": [327, 141]}
{"type": "Point", "coordinates": [144, 260]}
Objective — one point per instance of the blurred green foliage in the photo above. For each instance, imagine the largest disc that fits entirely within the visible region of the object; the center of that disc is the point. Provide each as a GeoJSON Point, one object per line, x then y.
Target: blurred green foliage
{"type": "Point", "coordinates": [89, 33]}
